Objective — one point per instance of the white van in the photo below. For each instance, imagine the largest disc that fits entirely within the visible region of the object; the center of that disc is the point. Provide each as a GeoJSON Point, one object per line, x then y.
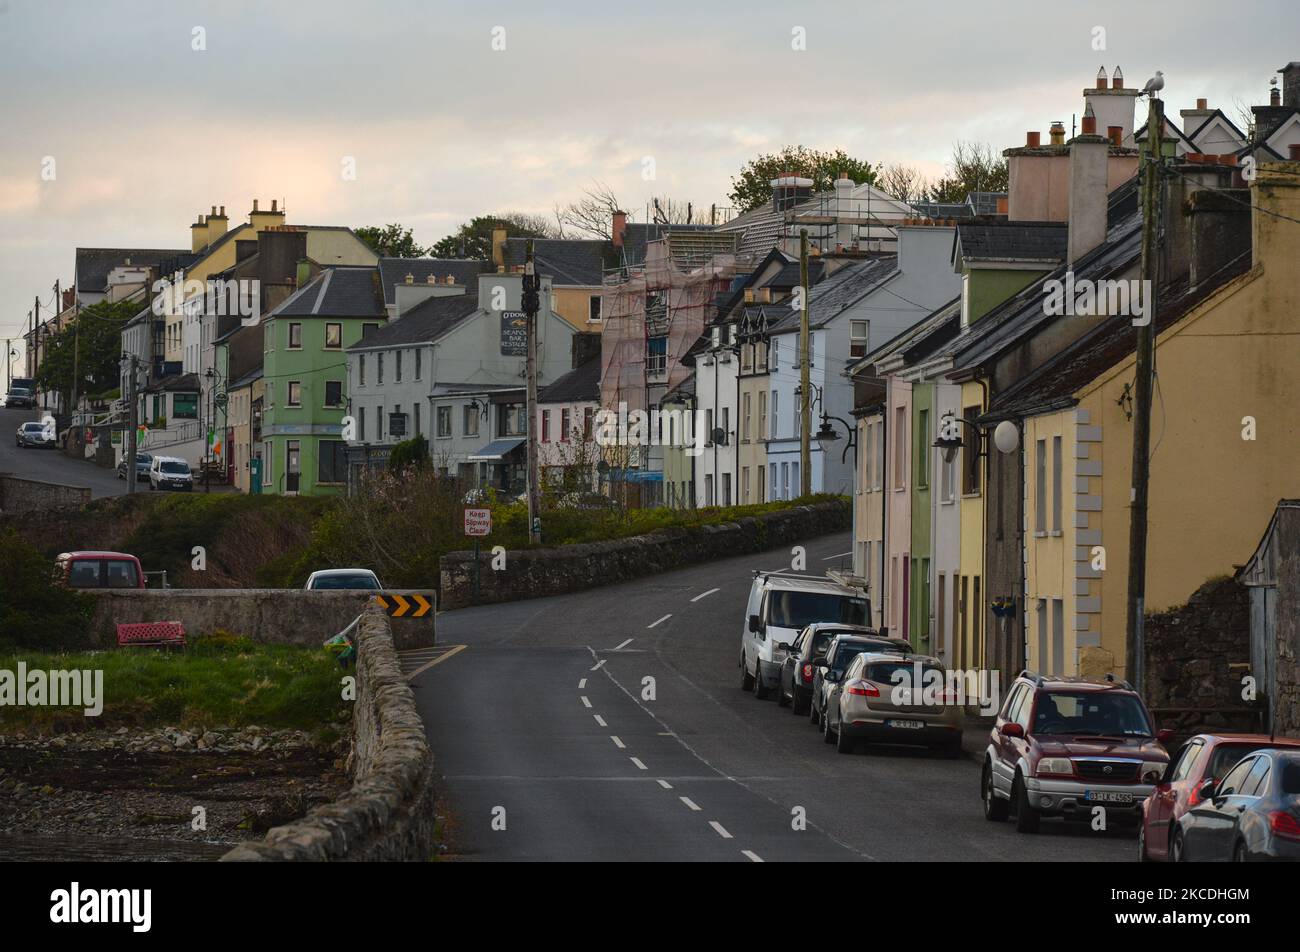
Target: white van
{"type": "Point", "coordinates": [780, 606]}
{"type": "Point", "coordinates": [170, 472]}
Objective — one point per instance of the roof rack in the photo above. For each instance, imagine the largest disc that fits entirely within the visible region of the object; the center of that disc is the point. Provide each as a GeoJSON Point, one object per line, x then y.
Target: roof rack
{"type": "Point", "coordinates": [1034, 676]}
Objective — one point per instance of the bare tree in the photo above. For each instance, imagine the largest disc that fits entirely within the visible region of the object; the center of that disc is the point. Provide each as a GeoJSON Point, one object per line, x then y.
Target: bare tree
{"type": "Point", "coordinates": [903, 182]}
{"type": "Point", "coordinates": [593, 214]}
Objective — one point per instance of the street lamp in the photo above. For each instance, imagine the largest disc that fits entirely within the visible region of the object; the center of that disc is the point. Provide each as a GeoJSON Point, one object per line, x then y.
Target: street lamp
{"type": "Point", "coordinates": [1006, 437]}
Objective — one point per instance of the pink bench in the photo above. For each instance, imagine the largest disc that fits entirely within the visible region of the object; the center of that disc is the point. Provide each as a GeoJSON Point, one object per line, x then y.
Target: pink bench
{"type": "Point", "coordinates": [151, 634]}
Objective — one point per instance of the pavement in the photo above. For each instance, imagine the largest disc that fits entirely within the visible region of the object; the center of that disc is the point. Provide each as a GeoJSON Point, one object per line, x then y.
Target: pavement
{"type": "Point", "coordinates": [51, 465]}
{"type": "Point", "coordinates": [610, 725]}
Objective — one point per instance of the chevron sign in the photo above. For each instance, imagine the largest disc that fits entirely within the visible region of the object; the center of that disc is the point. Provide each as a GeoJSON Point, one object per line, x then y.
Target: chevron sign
{"type": "Point", "coordinates": [405, 606]}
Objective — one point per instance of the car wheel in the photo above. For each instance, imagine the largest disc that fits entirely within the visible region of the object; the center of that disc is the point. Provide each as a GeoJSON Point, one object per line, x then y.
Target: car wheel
{"type": "Point", "coordinates": [798, 707]}
{"type": "Point", "coordinates": [760, 690]}
{"type": "Point", "coordinates": [812, 711]}
{"type": "Point", "coordinates": [994, 809]}
{"type": "Point", "coordinates": [1239, 854]}
{"type": "Point", "coordinates": [1176, 848]}
{"type": "Point", "coordinates": [1026, 816]}
{"type": "Point", "coordinates": [782, 699]}
{"type": "Point", "coordinates": [1143, 855]}
{"type": "Point", "coordinates": [746, 680]}
{"type": "Point", "coordinates": [827, 734]}
{"type": "Point", "coordinates": [843, 743]}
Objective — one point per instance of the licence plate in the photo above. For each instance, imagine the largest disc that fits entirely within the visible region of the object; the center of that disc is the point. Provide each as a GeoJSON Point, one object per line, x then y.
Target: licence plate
{"type": "Point", "coordinates": [908, 725]}
{"type": "Point", "coordinates": [1107, 796]}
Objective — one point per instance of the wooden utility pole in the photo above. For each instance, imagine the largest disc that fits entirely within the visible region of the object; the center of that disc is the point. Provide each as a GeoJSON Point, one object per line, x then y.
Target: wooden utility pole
{"type": "Point", "coordinates": [532, 304]}
{"type": "Point", "coordinates": [133, 422]}
{"type": "Point", "coordinates": [805, 381]}
{"type": "Point", "coordinates": [1135, 655]}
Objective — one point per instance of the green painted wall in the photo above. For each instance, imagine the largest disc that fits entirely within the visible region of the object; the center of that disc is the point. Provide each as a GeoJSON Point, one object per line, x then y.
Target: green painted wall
{"type": "Point", "coordinates": [922, 437]}
{"type": "Point", "coordinates": [989, 287]}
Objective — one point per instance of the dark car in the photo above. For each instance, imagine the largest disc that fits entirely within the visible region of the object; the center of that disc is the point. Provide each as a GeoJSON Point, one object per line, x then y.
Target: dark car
{"type": "Point", "coordinates": [1204, 757]}
{"type": "Point", "coordinates": [142, 463]}
{"type": "Point", "coordinates": [800, 664]}
{"type": "Point", "coordinates": [1064, 746]}
{"type": "Point", "coordinates": [1252, 814]}
{"type": "Point", "coordinates": [839, 653]}
{"type": "Point", "coordinates": [20, 397]}
{"type": "Point", "coordinates": [98, 570]}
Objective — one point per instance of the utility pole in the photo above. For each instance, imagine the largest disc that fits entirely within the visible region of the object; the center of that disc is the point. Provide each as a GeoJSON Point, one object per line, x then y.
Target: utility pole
{"type": "Point", "coordinates": [1135, 656]}
{"type": "Point", "coordinates": [133, 422]}
{"type": "Point", "coordinates": [805, 382]}
{"type": "Point", "coordinates": [532, 304]}
{"type": "Point", "coordinates": [75, 432]}
{"type": "Point", "coordinates": [36, 340]}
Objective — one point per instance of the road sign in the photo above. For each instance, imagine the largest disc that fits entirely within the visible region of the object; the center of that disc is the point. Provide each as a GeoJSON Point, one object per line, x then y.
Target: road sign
{"type": "Point", "coordinates": [405, 606]}
{"type": "Point", "coordinates": [478, 522]}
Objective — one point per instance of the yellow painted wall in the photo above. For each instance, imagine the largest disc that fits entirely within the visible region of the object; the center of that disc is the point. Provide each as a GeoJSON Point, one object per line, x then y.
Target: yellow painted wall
{"type": "Point", "coordinates": [972, 548]}
{"type": "Point", "coordinates": [574, 305]}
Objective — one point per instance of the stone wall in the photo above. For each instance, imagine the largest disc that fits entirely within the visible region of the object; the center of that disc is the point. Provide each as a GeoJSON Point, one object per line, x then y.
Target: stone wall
{"type": "Point", "coordinates": [532, 573]}
{"type": "Point", "coordinates": [389, 812]}
{"type": "Point", "coordinates": [269, 615]}
{"type": "Point", "coordinates": [1197, 655]}
{"type": "Point", "coordinates": [1285, 688]}
{"type": "Point", "coordinates": [27, 495]}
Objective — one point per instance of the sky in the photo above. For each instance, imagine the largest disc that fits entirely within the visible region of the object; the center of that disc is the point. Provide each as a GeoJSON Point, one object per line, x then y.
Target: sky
{"type": "Point", "coordinates": [154, 111]}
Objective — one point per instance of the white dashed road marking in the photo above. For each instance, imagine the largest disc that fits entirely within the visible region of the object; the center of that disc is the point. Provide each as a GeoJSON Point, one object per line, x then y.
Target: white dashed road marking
{"type": "Point", "coordinates": [617, 743]}
{"type": "Point", "coordinates": [705, 594]}
{"type": "Point", "coordinates": [599, 664]}
{"type": "Point", "coordinates": [719, 829]}
{"type": "Point", "coordinates": [753, 857]}
{"type": "Point", "coordinates": [661, 620]}
{"type": "Point", "coordinates": [690, 803]}
{"type": "Point", "coordinates": [585, 702]}
{"type": "Point", "coordinates": [600, 720]}
{"type": "Point", "coordinates": [639, 765]}
{"type": "Point", "coordinates": [623, 645]}
{"type": "Point", "coordinates": [582, 684]}
{"type": "Point", "coordinates": [665, 784]}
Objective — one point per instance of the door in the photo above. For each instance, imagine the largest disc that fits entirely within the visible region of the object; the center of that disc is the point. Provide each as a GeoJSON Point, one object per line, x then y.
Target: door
{"type": "Point", "coordinates": [1209, 833]}
{"type": "Point", "coordinates": [292, 467]}
{"type": "Point", "coordinates": [1160, 808]}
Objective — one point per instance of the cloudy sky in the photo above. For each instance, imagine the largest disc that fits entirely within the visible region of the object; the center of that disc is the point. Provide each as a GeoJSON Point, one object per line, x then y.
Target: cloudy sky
{"type": "Point", "coordinates": [146, 131]}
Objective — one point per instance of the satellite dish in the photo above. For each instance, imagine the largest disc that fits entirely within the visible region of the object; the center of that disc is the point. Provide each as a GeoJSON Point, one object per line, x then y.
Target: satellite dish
{"type": "Point", "coordinates": [1006, 437]}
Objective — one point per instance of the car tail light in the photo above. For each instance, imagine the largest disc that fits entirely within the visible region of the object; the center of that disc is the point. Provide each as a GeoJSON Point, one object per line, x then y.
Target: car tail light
{"type": "Point", "coordinates": [808, 671]}
{"type": "Point", "coordinates": [1194, 794]}
{"type": "Point", "coordinates": [1284, 825]}
{"type": "Point", "coordinates": [862, 689]}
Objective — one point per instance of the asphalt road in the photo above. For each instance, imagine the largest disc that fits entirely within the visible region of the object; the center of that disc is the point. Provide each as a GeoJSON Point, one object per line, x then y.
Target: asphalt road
{"type": "Point", "coordinates": [542, 721]}
{"type": "Point", "coordinates": [51, 465]}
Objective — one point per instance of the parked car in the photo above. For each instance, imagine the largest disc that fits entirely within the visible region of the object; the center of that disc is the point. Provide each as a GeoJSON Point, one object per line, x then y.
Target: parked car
{"type": "Point", "coordinates": [882, 698]}
{"type": "Point", "coordinates": [170, 472]}
{"type": "Point", "coordinates": [143, 461]}
{"type": "Point", "coordinates": [98, 570]}
{"type": "Point", "coordinates": [1252, 814]}
{"type": "Point", "coordinates": [779, 607]}
{"type": "Point", "coordinates": [800, 664]}
{"type": "Point", "coordinates": [34, 434]}
{"type": "Point", "coordinates": [1062, 746]}
{"type": "Point", "coordinates": [1204, 757]}
{"type": "Point", "coordinates": [335, 579]}
{"type": "Point", "coordinates": [20, 397]}
{"type": "Point", "coordinates": [839, 653]}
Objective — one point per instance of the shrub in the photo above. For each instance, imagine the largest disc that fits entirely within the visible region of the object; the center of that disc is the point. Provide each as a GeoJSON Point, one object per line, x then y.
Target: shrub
{"type": "Point", "coordinates": [34, 611]}
{"type": "Point", "coordinates": [409, 453]}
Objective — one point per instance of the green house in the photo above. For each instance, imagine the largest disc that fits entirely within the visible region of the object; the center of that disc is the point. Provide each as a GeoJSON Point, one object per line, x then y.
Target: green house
{"type": "Point", "coordinates": [305, 372]}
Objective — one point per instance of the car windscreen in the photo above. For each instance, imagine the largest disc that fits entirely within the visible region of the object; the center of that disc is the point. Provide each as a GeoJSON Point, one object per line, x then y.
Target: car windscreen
{"type": "Point", "coordinates": [33, 427]}
{"type": "Point", "coordinates": [122, 574]}
{"type": "Point", "coordinates": [345, 581]}
{"type": "Point", "coordinates": [789, 609]}
{"type": "Point", "coordinates": [1097, 713]}
{"type": "Point", "coordinates": [175, 469]}
{"type": "Point", "coordinates": [846, 652]}
{"type": "Point", "coordinates": [898, 672]}
{"type": "Point", "coordinates": [144, 458]}
{"type": "Point", "coordinates": [1227, 756]}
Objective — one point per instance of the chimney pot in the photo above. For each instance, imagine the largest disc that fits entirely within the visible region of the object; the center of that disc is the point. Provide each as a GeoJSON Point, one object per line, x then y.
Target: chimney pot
{"type": "Point", "coordinates": [1057, 133]}
{"type": "Point", "coordinates": [410, 278]}
{"type": "Point", "coordinates": [1089, 123]}
{"type": "Point", "coordinates": [1275, 97]}
{"type": "Point", "coordinates": [1202, 104]}
{"type": "Point", "coordinates": [1117, 79]}
{"type": "Point", "coordinates": [223, 211]}
{"type": "Point", "coordinates": [1033, 139]}
{"type": "Point", "coordinates": [1115, 134]}
{"type": "Point", "coordinates": [214, 211]}
{"type": "Point", "coordinates": [1295, 151]}
{"type": "Point", "coordinates": [254, 204]}
{"type": "Point", "coordinates": [1102, 81]}
{"type": "Point", "coordinates": [274, 203]}
{"type": "Point", "coordinates": [451, 279]}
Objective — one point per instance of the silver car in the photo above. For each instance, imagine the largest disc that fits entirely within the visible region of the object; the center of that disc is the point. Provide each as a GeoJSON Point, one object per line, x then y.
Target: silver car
{"type": "Point", "coordinates": [34, 434]}
{"type": "Point", "coordinates": [336, 579]}
{"type": "Point", "coordinates": [886, 698]}
{"type": "Point", "coordinates": [1252, 814]}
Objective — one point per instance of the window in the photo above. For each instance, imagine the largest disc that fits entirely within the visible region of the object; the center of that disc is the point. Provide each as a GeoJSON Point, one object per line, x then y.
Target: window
{"type": "Point", "coordinates": [361, 370]}
{"type": "Point", "coordinates": [726, 425]}
{"type": "Point", "coordinates": [444, 421]}
{"type": "Point", "coordinates": [900, 447]}
{"type": "Point", "coordinates": [333, 393]}
{"type": "Point", "coordinates": [333, 336]}
{"type": "Point", "coordinates": [1187, 759]}
{"type": "Point", "coordinates": [1040, 485]}
{"type": "Point", "coordinates": [379, 423]}
{"type": "Point", "coordinates": [858, 338]}
{"type": "Point", "coordinates": [546, 426]}
{"type": "Point", "coordinates": [419, 355]}
{"type": "Point", "coordinates": [1056, 484]}
{"type": "Point", "coordinates": [1232, 783]}
{"type": "Point", "coordinates": [970, 453]}
{"type": "Point", "coordinates": [922, 449]}
{"type": "Point", "coordinates": [744, 485]}
{"type": "Point", "coordinates": [397, 366]}
{"type": "Point", "coordinates": [331, 462]}
{"type": "Point", "coordinates": [361, 424]}
{"type": "Point", "coordinates": [295, 337]}
{"type": "Point", "coordinates": [762, 414]}
{"type": "Point", "coordinates": [744, 419]}
{"type": "Point", "coordinates": [1058, 637]}
{"type": "Point", "coordinates": [185, 406]}
{"type": "Point", "coordinates": [773, 359]}
{"type": "Point", "coordinates": [593, 308]}
{"type": "Point", "coordinates": [564, 426]}
{"type": "Point", "coordinates": [1255, 784]}
{"type": "Point", "coordinates": [295, 393]}
{"type": "Point", "coordinates": [708, 422]}
{"type": "Point", "coordinates": [760, 485]}
{"type": "Point", "coordinates": [708, 489]}
{"type": "Point", "coordinates": [726, 489]}
{"type": "Point", "coordinates": [776, 419]}
{"type": "Point", "coordinates": [772, 481]}
{"type": "Point", "coordinates": [785, 480]}
{"type": "Point", "coordinates": [267, 450]}
{"type": "Point", "coordinates": [657, 355]}
{"type": "Point", "coordinates": [379, 369]}
{"type": "Point", "coordinates": [417, 420]}
{"type": "Point", "coordinates": [588, 422]}
{"type": "Point", "coordinates": [469, 423]}
{"type": "Point", "coordinates": [878, 482]}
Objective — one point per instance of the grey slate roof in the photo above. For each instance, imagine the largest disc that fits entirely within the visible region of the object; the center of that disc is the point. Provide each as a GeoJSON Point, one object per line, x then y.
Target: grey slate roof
{"type": "Point", "coordinates": [94, 264]}
{"type": "Point", "coordinates": [393, 271]}
{"type": "Point", "coordinates": [1013, 240]}
{"type": "Point", "coordinates": [578, 385]}
{"type": "Point", "coordinates": [337, 292]}
{"type": "Point", "coordinates": [827, 299]}
{"type": "Point", "coordinates": [426, 322]}
{"type": "Point", "coordinates": [571, 262]}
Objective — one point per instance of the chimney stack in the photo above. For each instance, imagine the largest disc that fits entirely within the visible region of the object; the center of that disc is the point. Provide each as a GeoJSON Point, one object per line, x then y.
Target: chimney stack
{"type": "Point", "coordinates": [198, 234]}
{"type": "Point", "coordinates": [1033, 139]}
{"type": "Point", "coordinates": [1117, 79]}
{"type": "Point", "coordinates": [1102, 81]}
{"type": "Point", "coordinates": [1202, 105]}
{"type": "Point", "coordinates": [1089, 158]}
{"type": "Point", "coordinates": [1291, 84]}
{"type": "Point", "coordinates": [618, 225]}
{"type": "Point", "coordinates": [1274, 95]}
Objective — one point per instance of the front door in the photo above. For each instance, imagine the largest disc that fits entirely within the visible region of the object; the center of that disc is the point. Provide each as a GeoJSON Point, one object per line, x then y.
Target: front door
{"type": "Point", "coordinates": [293, 463]}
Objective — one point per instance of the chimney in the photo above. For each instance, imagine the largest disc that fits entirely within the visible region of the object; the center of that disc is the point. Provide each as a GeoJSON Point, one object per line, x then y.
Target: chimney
{"type": "Point", "coordinates": [749, 296]}
{"type": "Point", "coordinates": [788, 190]}
{"type": "Point", "coordinates": [1291, 84]}
{"type": "Point", "coordinates": [1002, 204]}
{"type": "Point", "coordinates": [198, 235]}
{"type": "Point", "coordinates": [1089, 156]}
{"type": "Point", "coordinates": [265, 219]}
{"type": "Point", "coordinates": [216, 223]}
{"type": "Point", "coordinates": [1089, 124]}
{"type": "Point", "coordinates": [618, 225]}
{"type": "Point", "coordinates": [499, 247]}
{"type": "Point", "coordinates": [431, 279]}
{"type": "Point", "coordinates": [1202, 105]}
{"type": "Point", "coordinates": [1117, 79]}
{"type": "Point", "coordinates": [1274, 97]}
{"type": "Point", "coordinates": [1102, 81]}
{"type": "Point", "coordinates": [1033, 140]}
{"type": "Point", "coordinates": [1057, 133]}
{"type": "Point", "coordinates": [410, 278]}
{"type": "Point", "coordinates": [1116, 135]}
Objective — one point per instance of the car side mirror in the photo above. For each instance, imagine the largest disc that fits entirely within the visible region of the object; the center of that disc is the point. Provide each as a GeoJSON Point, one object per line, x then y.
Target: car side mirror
{"type": "Point", "coordinates": [1206, 790]}
{"type": "Point", "coordinates": [1164, 735]}
{"type": "Point", "coordinates": [754, 624]}
{"type": "Point", "coordinates": [1012, 730]}
{"type": "Point", "coordinates": [831, 675]}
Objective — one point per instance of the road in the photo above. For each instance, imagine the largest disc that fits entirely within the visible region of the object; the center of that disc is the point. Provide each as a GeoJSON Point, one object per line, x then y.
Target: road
{"type": "Point", "coordinates": [51, 465]}
{"type": "Point", "coordinates": [542, 715]}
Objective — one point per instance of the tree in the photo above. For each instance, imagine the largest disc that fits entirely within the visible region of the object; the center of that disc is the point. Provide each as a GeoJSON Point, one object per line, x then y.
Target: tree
{"type": "Point", "coordinates": [391, 241]}
{"type": "Point", "coordinates": [974, 167]}
{"type": "Point", "coordinates": [903, 182]}
{"type": "Point", "coordinates": [592, 215]}
{"type": "Point", "coordinates": [474, 238]}
{"type": "Point", "coordinates": [92, 341]}
{"type": "Point", "coordinates": [753, 186]}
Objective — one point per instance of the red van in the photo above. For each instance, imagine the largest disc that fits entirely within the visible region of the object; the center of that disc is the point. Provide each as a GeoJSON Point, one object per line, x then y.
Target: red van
{"type": "Point", "coordinates": [98, 570]}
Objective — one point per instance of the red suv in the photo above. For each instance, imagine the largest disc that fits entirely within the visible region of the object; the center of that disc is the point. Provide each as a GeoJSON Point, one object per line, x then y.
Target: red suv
{"type": "Point", "coordinates": [1204, 757]}
{"type": "Point", "coordinates": [98, 570]}
{"type": "Point", "coordinates": [1063, 746]}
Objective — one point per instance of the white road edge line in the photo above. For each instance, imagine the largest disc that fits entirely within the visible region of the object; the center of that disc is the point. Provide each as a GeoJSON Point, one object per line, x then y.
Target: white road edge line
{"type": "Point", "coordinates": [690, 803]}
{"type": "Point", "coordinates": [719, 829]}
{"type": "Point", "coordinates": [661, 620]}
{"type": "Point", "coordinates": [840, 556]}
{"type": "Point", "coordinates": [617, 743]}
{"type": "Point", "coordinates": [600, 720]}
{"type": "Point", "coordinates": [585, 702]}
{"type": "Point", "coordinates": [639, 765]}
{"type": "Point", "coordinates": [705, 594]}
{"type": "Point", "coordinates": [623, 645]}
{"type": "Point", "coordinates": [753, 857]}
{"type": "Point", "coordinates": [455, 650]}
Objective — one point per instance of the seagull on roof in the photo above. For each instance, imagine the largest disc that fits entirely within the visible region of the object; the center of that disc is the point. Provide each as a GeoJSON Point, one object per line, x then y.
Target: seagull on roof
{"type": "Point", "coordinates": [1154, 84]}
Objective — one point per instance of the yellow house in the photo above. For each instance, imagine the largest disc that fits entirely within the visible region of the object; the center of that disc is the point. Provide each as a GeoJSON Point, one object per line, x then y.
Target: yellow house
{"type": "Point", "coordinates": [970, 604]}
{"type": "Point", "coordinates": [1225, 434]}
